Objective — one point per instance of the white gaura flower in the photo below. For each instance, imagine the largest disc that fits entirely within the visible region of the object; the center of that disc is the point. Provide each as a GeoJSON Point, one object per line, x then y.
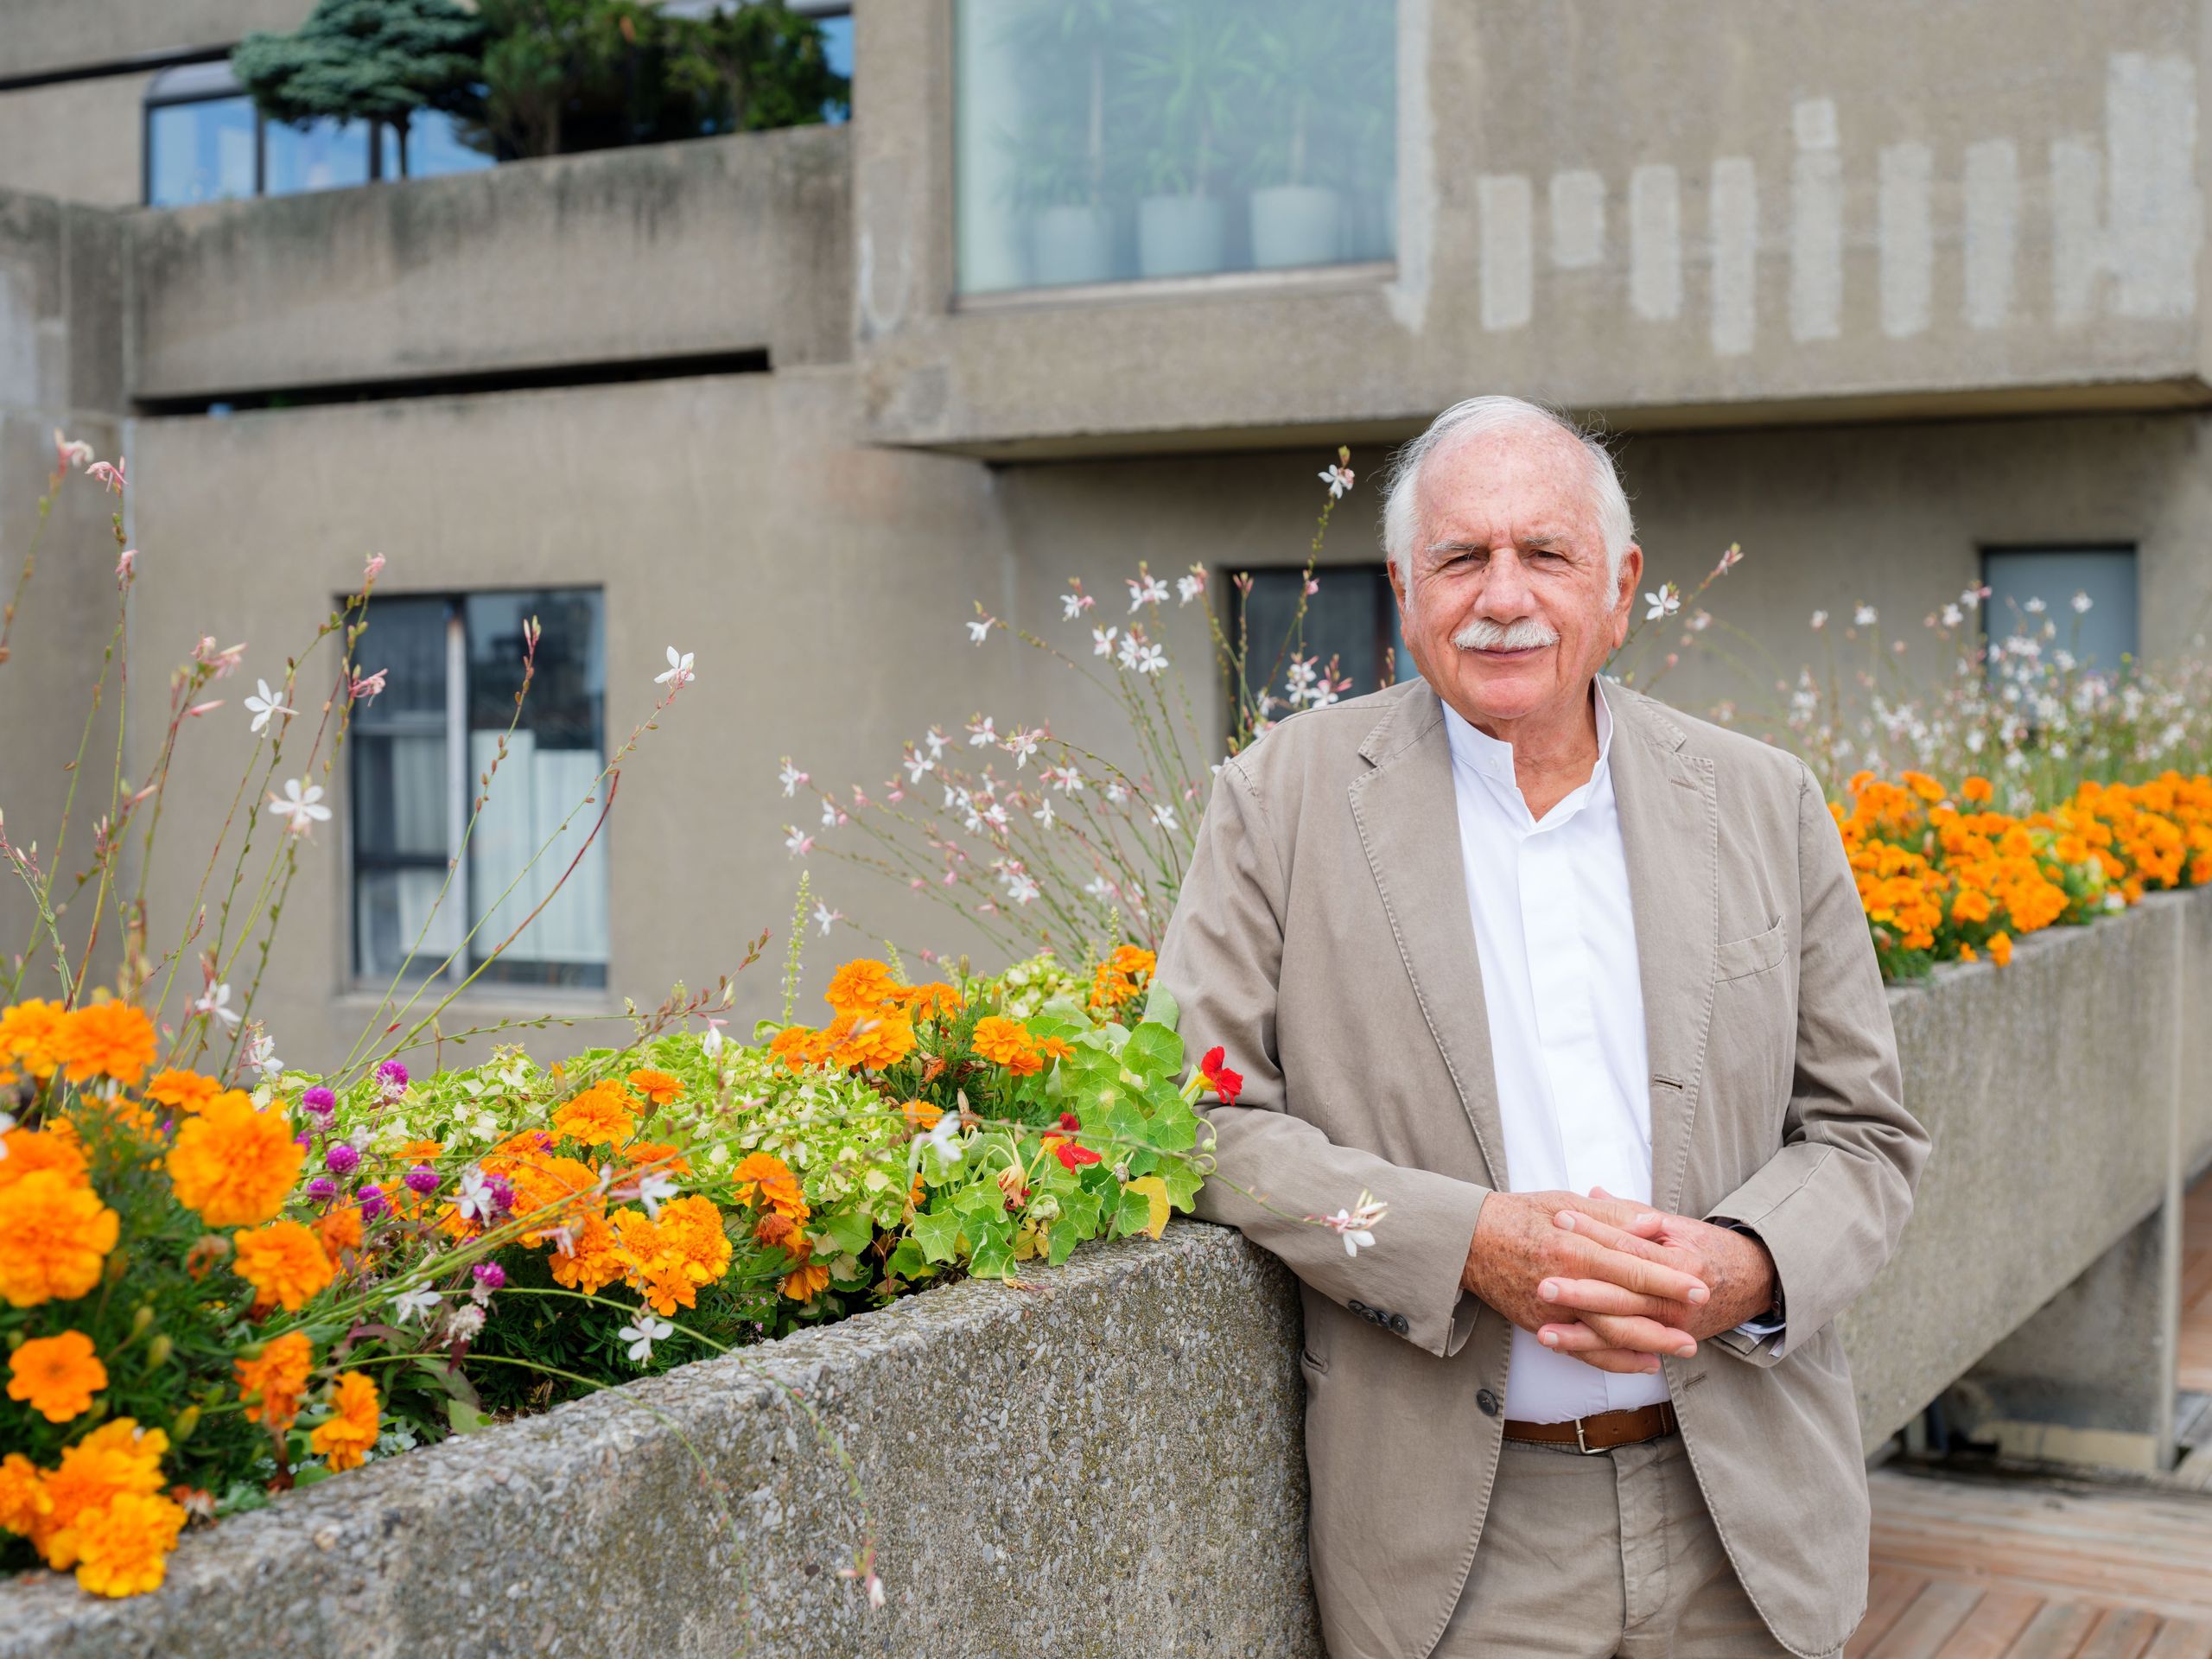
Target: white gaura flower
{"type": "Point", "coordinates": [216, 1001]}
{"type": "Point", "coordinates": [1164, 816]}
{"type": "Point", "coordinates": [416, 1305]}
{"type": "Point", "coordinates": [1355, 1226]}
{"type": "Point", "coordinates": [827, 918]}
{"type": "Point", "coordinates": [1338, 479]}
{"type": "Point", "coordinates": [1151, 659]}
{"type": "Point", "coordinates": [304, 807]}
{"type": "Point", "coordinates": [1022, 888]}
{"type": "Point", "coordinates": [2033, 607]}
{"type": "Point", "coordinates": [1145, 588]}
{"type": "Point", "coordinates": [1865, 616]}
{"type": "Point", "coordinates": [261, 1055]}
{"type": "Point", "coordinates": [654, 1189]}
{"type": "Point", "coordinates": [979, 629]}
{"type": "Point", "coordinates": [795, 844]}
{"type": "Point", "coordinates": [70, 453]}
{"type": "Point", "coordinates": [644, 1334]}
{"type": "Point", "coordinates": [790, 777]}
{"type": "Point", "coordinates": [1189, 588]}
{"type": "Point", "coordinates": [1044, 815]}
{"type": "Point", "coordinates": [1099, 888]}
{"type": "Point", "coordinates": [918, 766]}
{"type": "Point", "coordinates": [945, 1137]}
{"type": "Point", "coordinates": [1102, 641]}
{"type": "Point", "coordinates": [982, 732]}
{"type": "Point", "coordinates": [475, 1201]}
{"type": "Point", "coordinates": [1953, 616]}
{"type": "Point", "coordinates": [1021, 745]}
{"type": "Point", "coordinates": [2081, 603]}
{"type": "Point", "coordinates": [1819, 620]}
{"type": "Point", "coordinates": [264, 704]}
{"type": "Point", "coordinates": [679, 670]}
{"type": "Point", "coordinates": [1131, 646]}
{"type": "Point", "coordinates": [1074, 605]}
{"type": "Point", "coordinates": [711, 1044]}
{"type": "Point", "coordinates": [1665, 602]}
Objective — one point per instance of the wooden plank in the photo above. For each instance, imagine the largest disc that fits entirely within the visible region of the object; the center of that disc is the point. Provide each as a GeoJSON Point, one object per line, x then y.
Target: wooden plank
{"type": "Point", "coordinates": [1995, 1624]}
{"type": "Point", "coordinates": [1936, 1612]}
{"type": "Point", "coordinates": [2119, 1633]}
{"type": "Point", "coordinates": [2180, 1639]}
{"type": "Point", "coordinates": [2055, 1632]}
{"type": "Point", "coordinates": [1889, 1593]}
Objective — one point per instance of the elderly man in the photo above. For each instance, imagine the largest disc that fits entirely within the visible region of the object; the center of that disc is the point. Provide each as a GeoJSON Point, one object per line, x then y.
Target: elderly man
{"type": "Point", "coordinates": [1581, 990]}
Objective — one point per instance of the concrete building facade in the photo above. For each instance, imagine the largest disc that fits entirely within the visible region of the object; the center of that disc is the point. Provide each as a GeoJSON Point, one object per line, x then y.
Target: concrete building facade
{"type": "Point", "coordinates": [1874, 294]}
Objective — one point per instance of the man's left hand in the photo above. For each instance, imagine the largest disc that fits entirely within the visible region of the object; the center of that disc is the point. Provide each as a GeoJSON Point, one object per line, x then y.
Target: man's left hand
{"type": "Point", "coordinates": [1734, 1264]}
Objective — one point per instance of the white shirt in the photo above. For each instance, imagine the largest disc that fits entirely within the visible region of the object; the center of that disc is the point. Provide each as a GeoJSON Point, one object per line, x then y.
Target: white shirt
{"type": "Point", "coordinates": [1555, 939]}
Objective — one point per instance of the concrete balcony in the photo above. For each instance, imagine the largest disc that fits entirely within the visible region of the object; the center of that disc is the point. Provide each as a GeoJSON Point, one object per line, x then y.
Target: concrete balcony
{"type": "Point", "coordinates": [1757, 212]}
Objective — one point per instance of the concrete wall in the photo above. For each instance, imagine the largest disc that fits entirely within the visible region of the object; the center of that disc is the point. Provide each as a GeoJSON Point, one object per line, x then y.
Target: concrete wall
{"type": "Point", "coordinates": [1104, 1463]}
{"type": "Point", "coordinates": [1984, 205]}
{"type": "Point", "coordinates": [79, 140]}
{"type": "Point", "coordinates": [45, 36]}
{"type": "Point", "coordinates": [1108, 1462]}
{"type": "Point", "coordinates": [713, 246]}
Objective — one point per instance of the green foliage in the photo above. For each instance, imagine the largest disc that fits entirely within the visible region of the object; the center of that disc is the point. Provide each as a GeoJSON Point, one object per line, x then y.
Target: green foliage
{"type": "Point", "coordinates": [365, 60]}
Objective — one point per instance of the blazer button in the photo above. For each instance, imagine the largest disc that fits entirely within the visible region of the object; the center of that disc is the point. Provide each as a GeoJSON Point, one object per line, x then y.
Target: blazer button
{"type": "Point", "coordinates": [1489, 1403]}
{"type": "Point", "coordinates": [1354, 1306]}
{"type": "Point", "coordinates": [1398, 1324]}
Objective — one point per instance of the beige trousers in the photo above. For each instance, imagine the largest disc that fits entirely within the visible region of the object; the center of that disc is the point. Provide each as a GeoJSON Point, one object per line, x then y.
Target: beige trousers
{"type": "Point", "coordinates": [1598, 1556]}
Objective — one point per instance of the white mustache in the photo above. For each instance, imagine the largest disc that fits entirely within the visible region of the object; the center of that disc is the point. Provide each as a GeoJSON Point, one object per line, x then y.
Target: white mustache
{"type": "Point", "coordinates": [1524, 634]}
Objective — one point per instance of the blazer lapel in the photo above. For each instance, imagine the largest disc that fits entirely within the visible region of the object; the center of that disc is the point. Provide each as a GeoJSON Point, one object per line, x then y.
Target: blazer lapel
{"type": "Point", "coordinates": [1407, 813]}
{"type": "Point", "coordinates": [1670, 831]}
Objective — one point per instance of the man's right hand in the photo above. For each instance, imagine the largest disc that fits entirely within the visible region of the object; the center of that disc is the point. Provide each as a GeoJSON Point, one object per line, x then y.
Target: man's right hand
{"type": "Point", "coordinates": [1519, 1245]}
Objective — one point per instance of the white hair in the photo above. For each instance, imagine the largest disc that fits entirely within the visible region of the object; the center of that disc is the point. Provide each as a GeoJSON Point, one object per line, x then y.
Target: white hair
{"type": "Point", "coordinates": [1475, 417]}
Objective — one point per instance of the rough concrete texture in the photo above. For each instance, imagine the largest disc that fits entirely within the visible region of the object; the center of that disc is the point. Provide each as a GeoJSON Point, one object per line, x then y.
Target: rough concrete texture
{"type": "Point", "coordinates": [707, 248]}
{"type": "Point", "coordinates": [43, 37]}
{"type": "Point", "coordinates": [1107, 1463]}
{"type": "Point", "coordinates": [1749, 200]}
{"type": "Point", "coordinates": [2049, 1088]}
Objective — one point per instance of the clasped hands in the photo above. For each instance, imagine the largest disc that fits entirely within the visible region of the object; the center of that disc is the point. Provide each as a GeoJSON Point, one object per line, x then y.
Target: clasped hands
{"type": "Point", "coordinates": [1615, 1284]}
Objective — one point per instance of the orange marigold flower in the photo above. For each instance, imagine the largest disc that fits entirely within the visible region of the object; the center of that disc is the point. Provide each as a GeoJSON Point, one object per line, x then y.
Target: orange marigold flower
{"type": "Point", "coordinates": [122, 1547]}
{"type": "Point", "coordinates": [105, 1040]}
{"type": "Point", "coordinates": [592, 1262]}
{"type": "Point", "coordinates": [23, 1494]}
{"type": "Point", "coordinates": [233, 1164]}
{"type": "Point", "coordinates": [921, 1115]}
{"type": "Point", "coordinates": [188, 1092]}
{"type": "Point", "coordinates": [278, 1374]}
{"type": "Point", "coordinates": [343, 1438]}
{"type": "Point", "coordinates": [284, 1263]}
{"type": "Point", "coordinates": [931, 1000]}
{"type": "Point", "coordinates": [420, 1152]}
{"type": "Point", "coordinates": [1002, 1041]}
{"type": "Point", "coordinates": [1922, 786]}
{"type": "Point", "coordinates": [693, 1227]}
{"type": "Point", "coordinates": [656, 1086]}
{"type": "Point", "coordinates": [339, 1230]}
{"type": "Point", "coordinates": [658, 1155]}
{"type": "Point", "coordinates": [791, 1045]}
{"type": "Point", "coordinates": [54, 1234]}
{"type": "Point", "coordinates": [860, 986]}
{"type": "Point", "coordinates": [601, 1116]}
{"type": "Point", "coordinates": [806, 1281]}
{"type": "Point", "coordinates": [56, 1148]}
{"type": "Point", "coordinates": [654, 1263]}
{"type": "Point", "coordinates": [2000, 949]}
{"type": "Point", "coordinates": [1055, 1048]}
{"type": "Point", "coordinates": [764, 1176]}
{"type": "Point", "coordinates": [117, 1457]}
{"type": "Point", "coordinates": [875, 1040]}
{"type": "Point", "coordinates": [28, 1031]}
{"type": "Point", "coordinates": [775, 1228]}
{"type": "Point", "coordinates": [1975, 788]}
{"type": "Point", "coordinates": [56, 1376]}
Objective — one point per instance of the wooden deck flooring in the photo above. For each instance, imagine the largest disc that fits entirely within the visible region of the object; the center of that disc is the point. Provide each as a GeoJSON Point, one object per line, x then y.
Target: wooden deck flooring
{"type": "Point", "coordinates": [1986, 1567]}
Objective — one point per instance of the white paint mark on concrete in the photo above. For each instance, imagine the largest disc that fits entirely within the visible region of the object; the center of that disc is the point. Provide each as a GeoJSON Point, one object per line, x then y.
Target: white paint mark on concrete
{"type": "Point", "coordinates": [1409, 293]}
{"type": "Point", "coordinates": [2078, 251]}
{"type": "Point", "coordinates": [1506, 207]}
{"type": "Point", "coordinates": [1655, 242]}
{"type": "Point", "coordinates": [1816, 223]}
{"type": "Point", "coordinates": [1578, 219]}
{"type": "Point", "coordinates": [1992, 188]}
{"type": "Point", "coordinates": [1735, 219]}
{"type": "Point", "coordinates": [2150, 143]}
{"type": "Point", "coordinates": [1907, 239]}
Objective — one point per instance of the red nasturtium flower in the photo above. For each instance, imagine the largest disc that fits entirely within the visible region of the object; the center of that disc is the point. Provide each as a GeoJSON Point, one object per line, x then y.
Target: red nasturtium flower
{"type": "Point", "coordinates": [1225, 1082]}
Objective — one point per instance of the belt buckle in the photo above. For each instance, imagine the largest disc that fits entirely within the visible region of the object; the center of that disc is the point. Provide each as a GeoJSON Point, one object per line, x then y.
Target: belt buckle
{"type": "Point", "coordinates": [1582, 1443]}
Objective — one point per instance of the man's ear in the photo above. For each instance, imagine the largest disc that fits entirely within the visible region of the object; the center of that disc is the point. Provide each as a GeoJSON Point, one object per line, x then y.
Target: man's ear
{"type": "Point", "coordinates": [1624, 600]}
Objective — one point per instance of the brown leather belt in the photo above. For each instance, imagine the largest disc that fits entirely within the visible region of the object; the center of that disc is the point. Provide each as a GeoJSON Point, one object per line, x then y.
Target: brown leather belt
{"type": "Point", "coordinates": [1601, 1432]}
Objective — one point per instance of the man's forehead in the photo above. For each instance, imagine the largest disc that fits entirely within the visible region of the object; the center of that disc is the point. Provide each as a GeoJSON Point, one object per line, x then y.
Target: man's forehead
{"type": "Point", "coordinates": [1508, 486]}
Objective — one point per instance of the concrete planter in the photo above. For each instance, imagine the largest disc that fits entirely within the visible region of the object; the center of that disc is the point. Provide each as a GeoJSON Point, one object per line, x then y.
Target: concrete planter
{"type": "Point", "coordinates": [1179, 236]}
{"type": "Point", "coordinates": [1109, 1461]}
{"type": "Point", "coordinates": [1295, 225]}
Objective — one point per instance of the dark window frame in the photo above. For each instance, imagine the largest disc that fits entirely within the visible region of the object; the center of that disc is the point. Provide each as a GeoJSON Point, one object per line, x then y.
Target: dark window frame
{"type": "Point", "coordinates": [2133, 550]}
{"type": "Point", "coordinates": [1389, 653]}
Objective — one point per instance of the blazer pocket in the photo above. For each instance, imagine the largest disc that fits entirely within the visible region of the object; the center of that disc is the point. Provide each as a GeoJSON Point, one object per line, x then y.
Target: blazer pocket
{"type": "Point", "coordinates": [1739, 958]}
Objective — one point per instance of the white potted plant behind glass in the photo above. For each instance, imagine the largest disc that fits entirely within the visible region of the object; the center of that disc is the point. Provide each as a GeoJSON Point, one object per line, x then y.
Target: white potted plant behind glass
{"type": "Point", "coordinates": [1293, 105]}
{"type": "Point", "coordinates": [1068, 51]}
{"type": "Point", "coordinates": [1184, 63]}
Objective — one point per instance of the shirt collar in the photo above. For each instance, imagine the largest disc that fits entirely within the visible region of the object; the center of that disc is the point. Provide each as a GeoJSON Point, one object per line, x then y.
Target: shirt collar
{"type": "Point", "coordinates": [1481, 753]}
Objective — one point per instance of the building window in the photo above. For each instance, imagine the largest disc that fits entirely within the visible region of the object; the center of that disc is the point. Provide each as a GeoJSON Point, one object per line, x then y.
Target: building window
{"type": "Point", "coordinates": [2032, 595]}
{"type": "Point", "coordinates": [454, 664]}
{"type": "Point", "coordinates": [1110, 140]}
{"type": "Point", "coordinates": [205, 142]}
{"type": "Point", "coordinates": [1351, 621]}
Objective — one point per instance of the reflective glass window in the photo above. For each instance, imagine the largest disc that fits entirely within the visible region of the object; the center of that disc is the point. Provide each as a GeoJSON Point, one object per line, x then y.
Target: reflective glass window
{"type": "Point", "coordinates": [2039, 592]}
{"type": "Point", "coordinates": [1111, 140]}
{"type": "Point", "coordinates": [200, 151]}
{"type": "Point", "coordinates": [322, 155]}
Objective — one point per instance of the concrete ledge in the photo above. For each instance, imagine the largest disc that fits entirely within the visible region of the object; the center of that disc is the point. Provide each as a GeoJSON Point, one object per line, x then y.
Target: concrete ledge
{"type": "Point", "coordinates": [1109, 1463]}
{"type": "Point", "coordinates": [698, 250]}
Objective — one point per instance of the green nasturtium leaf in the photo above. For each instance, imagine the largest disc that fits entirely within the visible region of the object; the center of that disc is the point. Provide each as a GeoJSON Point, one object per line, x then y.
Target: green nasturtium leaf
{"type": "Point", "coordinates": [938, 1233]}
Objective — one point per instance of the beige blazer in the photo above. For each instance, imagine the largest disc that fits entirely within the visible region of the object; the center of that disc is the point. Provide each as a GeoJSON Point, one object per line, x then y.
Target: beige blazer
{"type": "Point", "coordinates": [1323, 938]}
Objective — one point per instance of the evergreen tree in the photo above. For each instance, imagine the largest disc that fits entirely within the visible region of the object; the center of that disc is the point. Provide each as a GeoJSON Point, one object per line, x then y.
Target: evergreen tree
{"type": "Point", "coordinates": [376, 60]}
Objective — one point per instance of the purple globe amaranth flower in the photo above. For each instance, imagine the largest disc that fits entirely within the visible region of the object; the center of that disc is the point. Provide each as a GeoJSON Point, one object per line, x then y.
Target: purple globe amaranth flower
{"type": "Point", "coordinates": [320, 1100]}
{"type": "Point", "coordinates": [491, 1276]}
{"type": "Point", "coordinates": [322, 1189]}
{"type": "Point", "coordinates": [422, 1179]}
{"type": "Point", "coordinates": [342, 1158]}
{"type": "Point", "coordinates": [372, 1200]}
{"type": "Point", "coordinates": [392, 1077]}
{"type": "Point", "coordinates": [502, 1191]}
